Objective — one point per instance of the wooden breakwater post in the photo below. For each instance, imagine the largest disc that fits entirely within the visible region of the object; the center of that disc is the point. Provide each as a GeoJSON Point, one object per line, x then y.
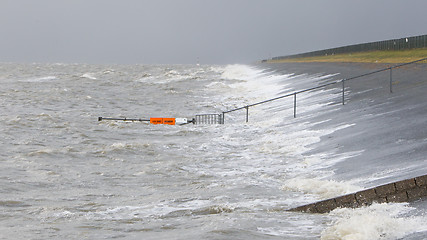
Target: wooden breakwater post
{"type": "Point", "coordinates": [402, 191]}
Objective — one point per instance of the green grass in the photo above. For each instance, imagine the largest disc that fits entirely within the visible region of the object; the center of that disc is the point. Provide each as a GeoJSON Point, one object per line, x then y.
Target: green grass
{"type": "Point", "coordinates": [401, 56]}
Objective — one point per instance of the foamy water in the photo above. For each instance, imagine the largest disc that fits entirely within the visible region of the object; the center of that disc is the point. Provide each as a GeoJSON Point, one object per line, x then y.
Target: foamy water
{"type": "Point", "coordinates": [64, 175]}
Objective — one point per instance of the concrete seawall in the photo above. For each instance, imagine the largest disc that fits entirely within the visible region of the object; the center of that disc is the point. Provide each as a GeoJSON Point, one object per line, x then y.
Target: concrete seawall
{"type": "Point", "coordinates": [402, 191]}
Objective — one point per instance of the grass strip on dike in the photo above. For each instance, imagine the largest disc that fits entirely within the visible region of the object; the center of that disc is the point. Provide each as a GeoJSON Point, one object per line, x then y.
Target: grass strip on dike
{"type": "Point", "coordinates": [390, 56]}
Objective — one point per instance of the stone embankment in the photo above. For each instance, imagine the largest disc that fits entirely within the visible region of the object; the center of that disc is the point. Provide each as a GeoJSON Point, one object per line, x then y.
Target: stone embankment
{"type": "Point", "coordinates": [402, 191]}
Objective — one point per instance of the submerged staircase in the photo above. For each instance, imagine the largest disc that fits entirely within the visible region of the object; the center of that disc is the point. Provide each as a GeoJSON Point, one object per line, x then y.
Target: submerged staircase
{"type": "Point", "coordinates": [402, 191]}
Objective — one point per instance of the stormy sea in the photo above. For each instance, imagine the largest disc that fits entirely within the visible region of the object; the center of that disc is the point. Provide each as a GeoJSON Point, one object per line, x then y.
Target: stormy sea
{"type": "Point", "coordinates": [66, 175]}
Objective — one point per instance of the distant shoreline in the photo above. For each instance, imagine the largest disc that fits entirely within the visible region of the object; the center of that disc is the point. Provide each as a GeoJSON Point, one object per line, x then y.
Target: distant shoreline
{"type": "Point", "coordinates": [401, 56]}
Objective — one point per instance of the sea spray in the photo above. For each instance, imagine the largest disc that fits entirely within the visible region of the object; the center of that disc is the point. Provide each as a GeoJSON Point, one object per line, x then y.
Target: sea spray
{"type": "Point", "coordinates": [324, 189]}
{"type": "Point", "coordinates": [378, 221]}
{"type": "Point", "coordinates": [66, 175]}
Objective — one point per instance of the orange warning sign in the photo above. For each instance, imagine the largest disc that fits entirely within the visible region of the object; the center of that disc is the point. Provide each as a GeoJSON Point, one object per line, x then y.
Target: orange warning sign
{"type": "Point", "coordinates": [169, 121]}
{"type": "Point", "coordinates": [156, 120]}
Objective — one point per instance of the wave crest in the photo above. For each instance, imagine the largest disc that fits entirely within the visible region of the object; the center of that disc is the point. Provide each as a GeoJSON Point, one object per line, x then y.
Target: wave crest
{"type": "Point", "coordinates": [323, 188]}
{"type": "Point", "coordinates": [378, 221]}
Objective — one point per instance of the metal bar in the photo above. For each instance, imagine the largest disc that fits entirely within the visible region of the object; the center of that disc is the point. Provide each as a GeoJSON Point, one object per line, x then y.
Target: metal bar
{"type": "Point", "coordinates": [403, 64]}
{"type": "Point", "coordinates": [295, 105]}
{"type": "Point", "coordinates": [212, 118]}
{"type": "Point", "coordinates": [291, 94]}
{"type": "Point", "coordinates": [391, 80]}
{"type": "Point", "coordinates": [247, 113]}
{"type": "Point", "coordinates": [124, 119]}
{"type": "Point", "coordinates": [280, 97]}
{"type": "Point", "coordinates": [270, 100]}
{"type": "Point", "coordinates": [343, 88]}
{"type": "Point", "coordinates": [324, 85]}
{"type": "Point", "coordinates": [236, 109]}
{"type": "Point", "coordinates": [321, 86]}
{"type": "Point", "coordinates": [367, 74]}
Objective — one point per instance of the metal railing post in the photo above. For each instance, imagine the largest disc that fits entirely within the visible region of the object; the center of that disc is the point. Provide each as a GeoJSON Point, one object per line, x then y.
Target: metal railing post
{"type": "Point", "coordinates": [343, 89]}
{"type": "Point", "coordinates": [295, 105]}
{"type": "Point", "coordinates": [395, 44]}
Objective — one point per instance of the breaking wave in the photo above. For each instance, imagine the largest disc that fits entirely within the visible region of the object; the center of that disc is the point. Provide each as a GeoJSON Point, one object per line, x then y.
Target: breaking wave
{"type": "Point", "coordinates": [378, 221]}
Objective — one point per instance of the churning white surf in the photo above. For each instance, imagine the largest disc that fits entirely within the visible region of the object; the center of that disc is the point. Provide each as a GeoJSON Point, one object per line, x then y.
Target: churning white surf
{"type": "Point", "coordinates": [378, 221]}
{"type": "Point", "coordinates": [63, 171]}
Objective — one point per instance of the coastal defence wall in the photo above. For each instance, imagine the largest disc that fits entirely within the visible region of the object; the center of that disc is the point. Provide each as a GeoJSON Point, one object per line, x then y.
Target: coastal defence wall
{"type": "Point", "coordinates": [385, 138]}
{"type": "Point", "coordinates": [385, 134]}
{"type": "Point", "coordinates": [393, 44]}
{"type": "Point", "coordinates": [402, 191]}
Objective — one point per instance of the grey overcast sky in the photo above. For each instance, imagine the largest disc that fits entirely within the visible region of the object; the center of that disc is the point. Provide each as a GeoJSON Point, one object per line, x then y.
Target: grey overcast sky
{"type": "Point", "coordinates": [187, 31]}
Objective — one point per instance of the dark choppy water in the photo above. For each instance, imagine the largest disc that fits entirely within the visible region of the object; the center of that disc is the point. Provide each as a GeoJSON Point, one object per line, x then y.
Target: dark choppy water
{"type": "Point", "coordinates": [64, 175]}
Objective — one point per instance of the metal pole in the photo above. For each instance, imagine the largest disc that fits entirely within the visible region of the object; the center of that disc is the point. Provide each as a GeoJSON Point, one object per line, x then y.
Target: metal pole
{"type": "Point", "coordinates": [295, 105]}
{"type": "Point", "coordinates": [123, 119]}
{"type": "Point", "coordinates": [343, 89]}
{"type": "Point", "coordinates": [391, 80]}
{"type": "Point", "coordinates": [223, 117]}
{"type": "Point", "coordinates": [247, 114]}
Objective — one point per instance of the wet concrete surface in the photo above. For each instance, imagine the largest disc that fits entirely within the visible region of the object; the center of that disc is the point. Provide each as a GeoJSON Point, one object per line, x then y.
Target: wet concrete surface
{"type": "Point", "coordinates": [408, 190]}
{"type": "Point", "coordinates": [388, 130]}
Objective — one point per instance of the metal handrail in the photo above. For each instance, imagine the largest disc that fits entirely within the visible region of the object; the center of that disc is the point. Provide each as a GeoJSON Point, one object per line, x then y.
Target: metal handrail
{"type": "Point", "coordinates": [321, 86]}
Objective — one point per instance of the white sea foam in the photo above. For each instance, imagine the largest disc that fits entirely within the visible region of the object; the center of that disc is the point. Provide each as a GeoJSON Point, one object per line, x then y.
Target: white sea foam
{"type": "Point", "coordinates": [41, 152]}
{"type": "Point", "coordinates": [127, 146]}
{"type": "Point", "coordinates": [108, 175]}
{"type": "Point", "coordinates": [253, 83]}
{"type": "Point", "coordinates": [242, 85]}
{"type": "Point", "coordinates": [40, 79]}
{"type": "Point", "coordinates": [322, 188]}
{"type": "Point", "coordinates": [88, 76]}
{"type": "Point", "coordinates": [165, 209]}
{"type": "Point", "coordinates": [239, 72]}
{"type": "Point", "coordinates": [378, 221]}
